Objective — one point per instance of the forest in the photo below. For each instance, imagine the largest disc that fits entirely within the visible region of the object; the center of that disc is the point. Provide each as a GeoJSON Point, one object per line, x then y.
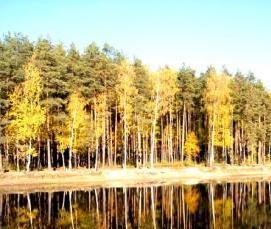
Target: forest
{"type": "Point", "coordinates": [60, 107]}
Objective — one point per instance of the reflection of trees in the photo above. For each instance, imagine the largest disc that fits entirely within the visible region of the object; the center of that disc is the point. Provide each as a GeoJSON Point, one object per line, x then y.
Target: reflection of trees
{"type": "Point", "coordinates": [255, 205]}
{"type": "Point", "coordinates": [81, 218]}
{"type": "Point", "coordinates": [24, 217]}
{"type": "Point", "coordinates": [191, 197]}
{"type": "Point", "coordinates": [245, 205]}
{"type": "Point", "coordinates": [223, 214]}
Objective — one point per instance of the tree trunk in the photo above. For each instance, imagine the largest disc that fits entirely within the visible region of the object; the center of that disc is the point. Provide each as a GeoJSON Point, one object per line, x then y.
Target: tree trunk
{"type": "Point", "coordinates": [259, 152]}
{"type": "Point", "coordinates": [70, 158]}
{"type": "Point", "coordinates": [183, 131]}
{"type": "Point", "coordinates": [70, 148]}
{"type": "Point", "coordinates": [49, 153]}
{"type": "Point", "coordinates": [125, 135]}
{"type": "Point", "coordinates": [96, 141]}
{"type": "Point", "coordinates": [29, 157]}
{"type": "Point", "coordinates": [139, 153]}
{"type": "Point", "coordinates": [103, 142]}
{"type": "Point", "coordinates": [88, 158]}
{"type": "Point", "coordinates": [212, 142]}
{"type": "Point", "coordinates": [116, 128]}
{"type": "Point", "coordinates": [170, 136]}
{"type": "Point", "coordinates": [1, 163]}
{"type": "Point", "coordinates": [1, 209]}
{"type": "Point", "coordinates": [63, 161]}
{"type": "Point", "coordinates": [109, 136]}
{"type": "Point", "coordinates": [17, 159]}
{"type": "Point", "coordinates": [153, 132]}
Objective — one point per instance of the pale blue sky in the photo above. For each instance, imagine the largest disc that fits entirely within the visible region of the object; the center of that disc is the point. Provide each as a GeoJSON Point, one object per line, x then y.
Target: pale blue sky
{"type": "Point", "coordinates": [234, 33]}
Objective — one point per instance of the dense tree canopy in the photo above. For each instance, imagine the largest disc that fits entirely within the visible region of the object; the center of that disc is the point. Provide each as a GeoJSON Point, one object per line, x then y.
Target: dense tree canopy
{"type": "Point", "coordinates": [97, 108]}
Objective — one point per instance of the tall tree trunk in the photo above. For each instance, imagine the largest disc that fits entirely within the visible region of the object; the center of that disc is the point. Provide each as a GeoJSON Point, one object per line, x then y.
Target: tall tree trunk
{"type": "Point", "coordinates": [153, 131]}
{"type": "Point", "coordinates": [109, 137]}
{"type": "Point", "coordinates": [96, 140]}
{"type": "Point", "coordinates": [211, 162]}
{"type": "Point", "coordinates": [29, 156]}
{"type": "Point", "coordinates": [103, 141]}
{"type": "Point", "coordinates": [139, 153]}
{"type": "Point", "coordinates": [1, 209]}
{"type": "Point", "coordinates": [183, 132]}
{"type": "Point", "coordinates": [170, 135]}
{"type": "Point", "coordinates": [88, 157]}
{"type": "Point", "coordinates": [259, 152]}
{"type": "Point", "coordinates": [17, 158]}
{"type": "Point", "coordinates": [1, 163]}
{"type": "Point", "coordinates": [116, 133]}
{"type": "Point", "coordinates": [49, 153]}
{"type": "Point", "coordinates": [125, 134]}
{"type": "Point", "coordinates": [63, 161]}
{"type": "Point", "coordinates": [70, 147]}
{"type": "Point", "coordinates": [162, 140]}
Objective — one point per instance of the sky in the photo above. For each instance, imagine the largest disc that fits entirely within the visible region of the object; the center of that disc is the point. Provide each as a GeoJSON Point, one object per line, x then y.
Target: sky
{"type": "Point", "coordinates": [200, 33]}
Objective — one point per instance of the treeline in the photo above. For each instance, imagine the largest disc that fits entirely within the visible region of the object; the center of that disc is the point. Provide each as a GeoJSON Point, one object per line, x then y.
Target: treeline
{"type": "Point", "coordinates": [61, 107]}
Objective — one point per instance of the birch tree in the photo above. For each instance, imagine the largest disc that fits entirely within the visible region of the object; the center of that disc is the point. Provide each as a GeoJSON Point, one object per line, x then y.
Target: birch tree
{"type": "Point", "coordinates": [217, 102]}
{"type": "Point", "coordinates": [126, 91]}
{"type": "Point", "coordinates": [26, 114]}
{"type": "Point", "coordinates": [77, 124]}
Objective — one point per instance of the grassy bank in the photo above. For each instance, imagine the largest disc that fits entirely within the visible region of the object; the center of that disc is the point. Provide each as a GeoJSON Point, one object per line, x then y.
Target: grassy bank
{"type": "Point", "coordinates": [117, 177]}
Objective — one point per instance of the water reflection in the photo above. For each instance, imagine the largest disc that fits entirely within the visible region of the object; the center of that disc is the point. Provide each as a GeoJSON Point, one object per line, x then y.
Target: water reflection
{"type": "Point", "coordinates": [233, 205]}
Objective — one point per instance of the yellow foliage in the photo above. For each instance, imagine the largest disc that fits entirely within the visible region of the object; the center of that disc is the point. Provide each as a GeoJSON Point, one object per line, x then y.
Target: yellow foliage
{"type": "Point", "coordinates": [62, 137]}
{"type": "Point", "coordinates": [126, 92]}
{"type": "Point", "coordinates": [164, 89]}
{"type": "Point", "coordinates": [191, 146]}
{"type": "Point", "coordinates": [26, 114]}
{"type": "Point", "coordinates": [219, 107]}
{"type": "Point", "coordinates": [78, 121]}
{"type": "Point", "coordinates": [100, 109]}
{"type": "Point", "coordinates": [169, 88]}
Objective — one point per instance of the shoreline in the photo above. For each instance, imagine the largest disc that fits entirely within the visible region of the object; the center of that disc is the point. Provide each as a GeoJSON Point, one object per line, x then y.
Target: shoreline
{"type": "Point", "coordinates": [83, 179]}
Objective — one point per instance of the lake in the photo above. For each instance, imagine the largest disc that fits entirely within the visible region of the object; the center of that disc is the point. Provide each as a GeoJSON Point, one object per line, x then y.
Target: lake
{"type": "Point", "coordinates": [226, 205]}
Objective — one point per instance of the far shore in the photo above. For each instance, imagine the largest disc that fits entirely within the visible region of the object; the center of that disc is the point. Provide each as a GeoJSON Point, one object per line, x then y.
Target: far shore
{"type": "Point", "coordinates": [84, 179]}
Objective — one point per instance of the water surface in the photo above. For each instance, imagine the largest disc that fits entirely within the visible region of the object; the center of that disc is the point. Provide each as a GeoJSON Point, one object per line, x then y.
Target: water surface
{"type": "Point", "coordinates": [229, 205]}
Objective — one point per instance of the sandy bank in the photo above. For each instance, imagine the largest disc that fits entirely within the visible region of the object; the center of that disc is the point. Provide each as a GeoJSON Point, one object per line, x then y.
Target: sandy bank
{"type": "Point", "coordinates": [117, 177]}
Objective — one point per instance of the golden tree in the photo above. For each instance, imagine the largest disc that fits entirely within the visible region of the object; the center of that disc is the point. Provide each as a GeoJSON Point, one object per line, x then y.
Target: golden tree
{"type": "Point", "coordinates": [77, 123]}
{"type": "Point", "coordinates": [126, 92]}
{"type": "Point", "coordinates": [163, 91]}
{"type": "Point", "coordinates": [99, 122]}
{"type": "Point", "coordinates": [217, 102]}
{"type": "Point", "coordinates": [26, 114]}
{"type": "Point", "coordinates": [191, 146]}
